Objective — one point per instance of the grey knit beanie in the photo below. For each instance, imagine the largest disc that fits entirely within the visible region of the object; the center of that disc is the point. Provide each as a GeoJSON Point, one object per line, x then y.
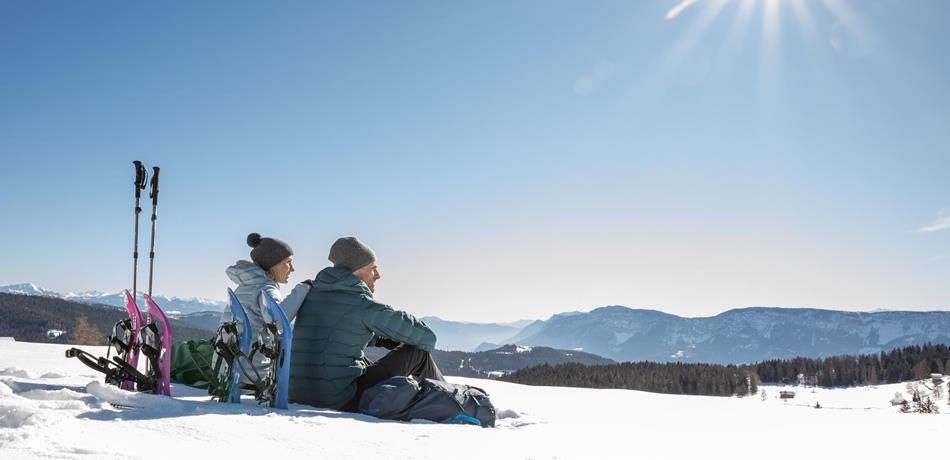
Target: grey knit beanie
{"type": "Point", "coordinates": [268, 252]}
{"type": "Point", "coordinates": [351, 254]}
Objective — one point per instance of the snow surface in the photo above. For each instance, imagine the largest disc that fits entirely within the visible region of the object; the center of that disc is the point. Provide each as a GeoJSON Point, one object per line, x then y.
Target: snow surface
{"type": "Point", "coordinates": [54, 407]}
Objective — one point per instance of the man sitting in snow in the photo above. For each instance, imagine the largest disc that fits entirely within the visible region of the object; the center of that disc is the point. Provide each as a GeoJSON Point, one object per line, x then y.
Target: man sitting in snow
{"type": "Point", "coordinates": [338, 320]}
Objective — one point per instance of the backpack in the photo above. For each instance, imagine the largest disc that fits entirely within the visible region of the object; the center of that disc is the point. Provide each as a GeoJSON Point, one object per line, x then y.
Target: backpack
{"type": "Point", "coordinates": [191, 363]}
{"type": "Point", "coordinates": [402, 398]}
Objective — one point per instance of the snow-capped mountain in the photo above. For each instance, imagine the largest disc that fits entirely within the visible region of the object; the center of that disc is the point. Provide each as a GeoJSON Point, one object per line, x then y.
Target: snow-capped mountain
{"type": "Point", "coordinates": [735, 336]}
{"type": "Point", "coordinates": [28, 289]}
{"type": "Point", "coordinates": [172, 305]}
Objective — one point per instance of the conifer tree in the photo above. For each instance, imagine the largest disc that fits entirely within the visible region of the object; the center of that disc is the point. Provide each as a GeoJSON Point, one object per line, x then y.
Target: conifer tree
{"type": "Point", "coordinates": [905, 407]}
{"type": "Point", "coordinates": [85, 334]}
{"type": "Point", "coordinates": [925, 405]}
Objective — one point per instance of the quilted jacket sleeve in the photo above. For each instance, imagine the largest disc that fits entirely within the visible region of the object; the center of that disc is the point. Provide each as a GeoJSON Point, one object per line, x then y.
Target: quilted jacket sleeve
{"type": "Point", "coordinates": [400, 326]}
{"type": "Point", "coordinates": [290, 304]}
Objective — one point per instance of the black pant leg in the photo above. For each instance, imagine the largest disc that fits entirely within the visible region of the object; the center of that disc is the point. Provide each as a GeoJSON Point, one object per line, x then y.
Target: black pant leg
{"type": "Point", "coordinates": [404, 360]}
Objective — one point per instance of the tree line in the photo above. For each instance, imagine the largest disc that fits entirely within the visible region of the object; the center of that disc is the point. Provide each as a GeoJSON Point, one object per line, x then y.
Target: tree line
{"type": "Point", "coordinates": [28, 318]}
{"type": "Point", "coordinates": [670, 378]}
{"type": "Point", "coordinates": [913, 362]}
{"type": "Point", "coordinates": [908, 363]}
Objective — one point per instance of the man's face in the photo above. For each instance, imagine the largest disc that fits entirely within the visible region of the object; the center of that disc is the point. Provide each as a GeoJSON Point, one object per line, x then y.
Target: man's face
{"type": "Point", "coordinates": [368, 274]}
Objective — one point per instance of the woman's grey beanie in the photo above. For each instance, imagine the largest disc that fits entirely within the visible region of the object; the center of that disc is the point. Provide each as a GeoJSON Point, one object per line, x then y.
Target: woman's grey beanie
{"type": "Point", "coordinates": [351, 254]}
{"type": "Point", "coordinates": [268, 252]}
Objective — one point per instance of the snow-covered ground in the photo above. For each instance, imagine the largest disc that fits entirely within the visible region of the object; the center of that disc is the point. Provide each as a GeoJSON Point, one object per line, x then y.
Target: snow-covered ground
{"type": "Point", "coordinates": [53, 407]}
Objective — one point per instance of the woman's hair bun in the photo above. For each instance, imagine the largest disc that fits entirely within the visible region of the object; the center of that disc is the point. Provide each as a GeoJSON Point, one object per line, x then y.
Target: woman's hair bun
{"type": "Point", "coordinates": [253, 239]}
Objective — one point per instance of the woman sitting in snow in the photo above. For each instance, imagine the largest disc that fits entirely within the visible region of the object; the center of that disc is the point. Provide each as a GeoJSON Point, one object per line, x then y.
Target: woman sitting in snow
{"type": "Point", "coordinates": [272, 265]}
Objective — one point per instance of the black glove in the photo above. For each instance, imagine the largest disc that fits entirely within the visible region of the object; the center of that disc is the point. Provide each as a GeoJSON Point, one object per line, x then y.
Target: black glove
{"type": "Point", "coordinates": [386, 343]}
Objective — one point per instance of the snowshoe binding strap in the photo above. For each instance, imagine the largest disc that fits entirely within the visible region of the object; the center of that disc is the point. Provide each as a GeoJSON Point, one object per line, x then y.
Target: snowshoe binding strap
{"type": "Point", "coordinates": [151, 347]}
{"type": "Point", "coordinates": [115, 372]}
{"type": "Point", "coordinates": [228, 353]}
{"type": "Point", "coordinates": [122, 336]}
{"type": "Point", "coordinates": [118, 371]}
{"type": "Point", "coordinates": [267, 344]}
{"type": "Point", "coordinates": [152, 341]}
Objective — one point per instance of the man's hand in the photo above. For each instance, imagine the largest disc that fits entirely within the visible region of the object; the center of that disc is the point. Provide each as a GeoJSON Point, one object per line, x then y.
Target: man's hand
{"type": "Point", "coordinates": [387, 344]}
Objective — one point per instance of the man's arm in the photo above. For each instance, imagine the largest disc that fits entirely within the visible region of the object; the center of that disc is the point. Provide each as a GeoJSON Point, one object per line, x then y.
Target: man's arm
{"type": "Point", "coordinates": [399, 326]}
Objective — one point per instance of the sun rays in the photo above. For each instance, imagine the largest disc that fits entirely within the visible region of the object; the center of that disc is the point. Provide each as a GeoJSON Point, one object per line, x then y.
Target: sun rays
{"type": "Point", "coordinates": [769, 30]}
{"type": "Point", "coordinates": [848, 29]}
{"type": "Point", "coordinates": [676, 10]}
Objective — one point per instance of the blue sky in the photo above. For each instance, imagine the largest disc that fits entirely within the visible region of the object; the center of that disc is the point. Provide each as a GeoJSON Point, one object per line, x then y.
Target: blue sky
{"type": "Point", "coordinates": [506, 160]}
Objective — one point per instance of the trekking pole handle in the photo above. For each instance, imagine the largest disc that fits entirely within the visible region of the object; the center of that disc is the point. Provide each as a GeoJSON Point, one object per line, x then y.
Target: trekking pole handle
{"type": "Point", "coordinates": [141, 177]}
{"type": "Point", "coordinates": [153, 193]}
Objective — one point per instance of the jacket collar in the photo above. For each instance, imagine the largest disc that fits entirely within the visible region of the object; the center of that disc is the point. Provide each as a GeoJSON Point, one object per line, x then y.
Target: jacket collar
{"type": "Point", "coordinates": [244, 273]}
{"type": "Point", "coordinates": [340, 279]}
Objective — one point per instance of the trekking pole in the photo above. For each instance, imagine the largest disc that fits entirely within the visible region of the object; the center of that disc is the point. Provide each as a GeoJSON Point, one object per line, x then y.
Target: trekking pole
{"type": "Point", "coordinates": [141, 176]}
{"type": "Point", "coordinates": [153, 194]}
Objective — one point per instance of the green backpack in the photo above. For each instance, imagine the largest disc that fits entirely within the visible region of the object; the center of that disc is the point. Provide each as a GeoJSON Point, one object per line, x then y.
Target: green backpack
{"type": "Point", "coordinates": [191, 364]}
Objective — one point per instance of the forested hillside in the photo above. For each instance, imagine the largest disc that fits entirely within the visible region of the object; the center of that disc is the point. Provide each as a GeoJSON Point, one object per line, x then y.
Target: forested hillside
{"type": "Point", "coordinates": [909, 363]}
{"type": "Point", "coordinates": [30, 318]}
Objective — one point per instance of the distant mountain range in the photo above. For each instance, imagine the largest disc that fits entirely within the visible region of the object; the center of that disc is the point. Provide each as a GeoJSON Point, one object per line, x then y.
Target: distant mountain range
{"type": "Point", "coordinates": [736, 336]}
{"type": "Point", "coordinates": [624, 334]}
{"type": "Point", "coordinates": [172, 305]}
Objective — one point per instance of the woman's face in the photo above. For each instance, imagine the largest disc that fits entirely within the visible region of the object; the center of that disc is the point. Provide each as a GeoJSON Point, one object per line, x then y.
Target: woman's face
{"type": "Point", "coordinates": [282, 270]}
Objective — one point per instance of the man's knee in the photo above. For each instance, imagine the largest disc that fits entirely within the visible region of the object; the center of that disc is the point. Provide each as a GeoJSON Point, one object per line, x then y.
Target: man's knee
{"type": "Point", "coordinates": [412, 354]}
{"type": "Point", "coordinates": [411, 349]}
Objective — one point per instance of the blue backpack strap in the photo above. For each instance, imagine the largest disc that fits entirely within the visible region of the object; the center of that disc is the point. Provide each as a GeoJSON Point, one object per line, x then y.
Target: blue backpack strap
{"type": "Point", "coordinates": [462, 419]}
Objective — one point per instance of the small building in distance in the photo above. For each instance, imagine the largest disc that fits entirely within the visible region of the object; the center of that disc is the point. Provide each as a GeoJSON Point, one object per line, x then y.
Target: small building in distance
{"type": "Point", "coordinates": [54, 333]}
{"type": "Point", "coordinates": [785, 394]}
{"type": "Point", "coordinates": [498, 374]}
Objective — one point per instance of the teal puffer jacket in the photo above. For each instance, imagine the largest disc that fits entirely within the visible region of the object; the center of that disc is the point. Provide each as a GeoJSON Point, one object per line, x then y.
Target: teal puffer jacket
{"type": "Point", "coordinates": [336, 322]}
